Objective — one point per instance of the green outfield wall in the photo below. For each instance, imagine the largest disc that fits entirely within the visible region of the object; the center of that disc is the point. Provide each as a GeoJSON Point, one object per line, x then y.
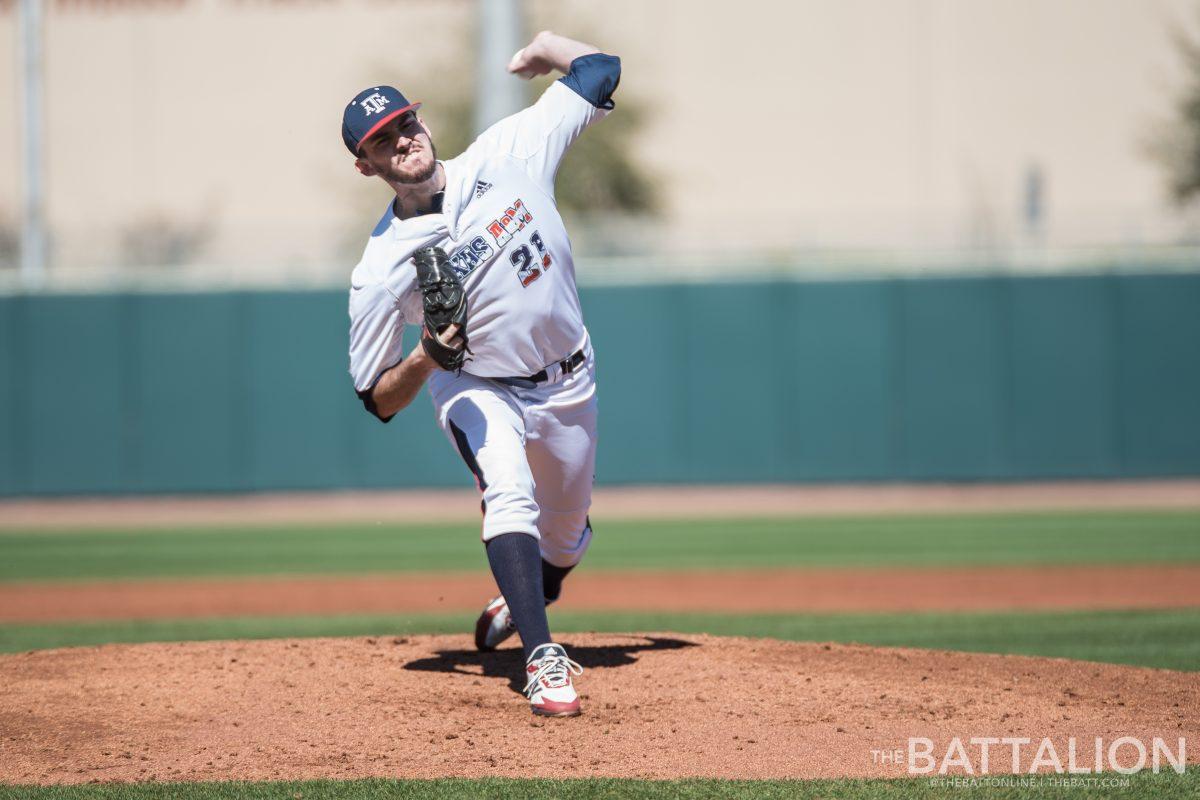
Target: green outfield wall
{"type": "Point", "coordinates": [992, 378]}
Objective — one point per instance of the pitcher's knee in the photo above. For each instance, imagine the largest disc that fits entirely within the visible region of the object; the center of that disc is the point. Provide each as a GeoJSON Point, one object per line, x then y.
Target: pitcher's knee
{"type": "Point", "coordinates": [565, 536]}
{"type": "Point", "coordinates": [509, 507]}
{"type": "Point", "coordinates": [498, 521]}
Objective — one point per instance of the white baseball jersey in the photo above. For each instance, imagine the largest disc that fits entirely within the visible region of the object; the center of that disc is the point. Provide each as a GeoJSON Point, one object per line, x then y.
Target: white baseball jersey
{"type": "Point", "coordinates": [506, 242]}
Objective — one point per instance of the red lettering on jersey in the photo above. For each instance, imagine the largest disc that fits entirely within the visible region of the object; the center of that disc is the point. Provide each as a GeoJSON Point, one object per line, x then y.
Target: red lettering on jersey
{"type": "Point", "coordinates": [498, 233]}
{"type": "Point", "coordinates": [519, 211]}
{"type": "Point", "coordinates": [514, 219]}
{"type": "Point", "coordinates": [511, 223]}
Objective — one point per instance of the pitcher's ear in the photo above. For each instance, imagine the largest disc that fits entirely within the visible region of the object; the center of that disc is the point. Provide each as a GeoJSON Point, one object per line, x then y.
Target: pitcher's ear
{"type": "Point", "coordinates": [364, 167]}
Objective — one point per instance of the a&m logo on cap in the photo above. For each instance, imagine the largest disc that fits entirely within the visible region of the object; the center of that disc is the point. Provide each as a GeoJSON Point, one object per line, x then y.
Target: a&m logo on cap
{"type": "Point", "coordinates": [373, 104]}
{"type": "Point", "coordinates": [368, 111]}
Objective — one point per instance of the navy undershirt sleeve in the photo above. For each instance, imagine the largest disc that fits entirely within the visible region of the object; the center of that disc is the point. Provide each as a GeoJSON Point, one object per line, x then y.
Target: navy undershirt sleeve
{"type": "Point", "coordinates": [368, 399]}
{"type": "Point", "coordinates": [369, 403]}
{"type": "Point", "coordinates": [594, 78]}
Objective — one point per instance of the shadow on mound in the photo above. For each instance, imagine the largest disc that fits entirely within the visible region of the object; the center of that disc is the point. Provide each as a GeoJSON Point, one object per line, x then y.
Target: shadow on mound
{"type": "Point", "coordinates": [510, 663]}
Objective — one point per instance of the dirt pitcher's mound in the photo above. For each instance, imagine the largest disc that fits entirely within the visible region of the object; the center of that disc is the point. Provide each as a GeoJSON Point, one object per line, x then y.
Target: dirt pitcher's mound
{"type": "Point", "coordinates": [656, 705]}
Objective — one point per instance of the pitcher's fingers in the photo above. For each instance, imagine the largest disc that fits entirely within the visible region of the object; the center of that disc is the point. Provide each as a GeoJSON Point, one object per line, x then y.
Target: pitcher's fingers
{"type": "Point", "coordinates": [514, 63]}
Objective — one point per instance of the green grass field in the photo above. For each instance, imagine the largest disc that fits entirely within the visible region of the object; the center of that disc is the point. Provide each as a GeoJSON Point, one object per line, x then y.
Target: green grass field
{"type": "Point", "coordinates": [937, 540]}
{"type": "Point", "coordinates": [1154, 638]}
{"type": "Point", "coordinates": [1143, 786]}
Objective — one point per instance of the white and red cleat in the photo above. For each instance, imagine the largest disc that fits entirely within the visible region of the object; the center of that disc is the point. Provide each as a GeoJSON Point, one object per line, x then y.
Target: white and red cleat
{"type": "Point", "coordinates": [494, 625]}
{"type": "Point", "coordinates": [548, 682]}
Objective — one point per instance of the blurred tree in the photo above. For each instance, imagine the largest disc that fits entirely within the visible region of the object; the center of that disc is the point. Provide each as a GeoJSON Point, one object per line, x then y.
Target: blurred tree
{"type": "Point", "coordinates": [10, 242]}
{"type": "Point", "coordinates": [158, 240]}
{"type": "Point", "coordinates": [1175, 144]}
{"type": "Point", "coordinates": [600, 173]}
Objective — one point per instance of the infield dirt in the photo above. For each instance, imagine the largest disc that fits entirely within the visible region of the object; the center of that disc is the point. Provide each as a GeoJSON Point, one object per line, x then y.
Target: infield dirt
{"type": "Point", "coordinates": [727, 591]}
{"type": "Point", "coordinates": [656, 705]}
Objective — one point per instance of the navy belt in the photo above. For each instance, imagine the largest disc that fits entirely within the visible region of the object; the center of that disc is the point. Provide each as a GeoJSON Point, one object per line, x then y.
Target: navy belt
{"type": "Point", "coordinates": [567, 365]}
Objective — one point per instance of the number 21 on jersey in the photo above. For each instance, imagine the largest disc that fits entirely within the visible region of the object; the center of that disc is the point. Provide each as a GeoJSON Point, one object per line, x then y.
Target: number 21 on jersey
{"type": "Point", "coordinates": [530, 267]}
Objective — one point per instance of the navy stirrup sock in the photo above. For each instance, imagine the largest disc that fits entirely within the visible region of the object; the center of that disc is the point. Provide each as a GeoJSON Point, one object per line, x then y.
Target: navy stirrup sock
{"type": "Point", "coordinates": [552, 578]}
{"type": "Point", "coordinates": [517, 566]}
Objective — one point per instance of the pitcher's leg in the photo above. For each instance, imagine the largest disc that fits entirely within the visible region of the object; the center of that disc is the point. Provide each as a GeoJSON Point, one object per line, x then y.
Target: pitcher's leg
{"type": "Point", "coordinates": [561, 447]}
{"type": "Point", "coordinates": [516, 566]}
{"type": "Point", "coordinates": [488, 432]}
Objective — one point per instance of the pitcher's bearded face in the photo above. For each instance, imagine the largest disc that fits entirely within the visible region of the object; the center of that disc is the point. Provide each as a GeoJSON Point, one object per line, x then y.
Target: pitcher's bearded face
{"type": "Point", "coordinates": [401, 151]}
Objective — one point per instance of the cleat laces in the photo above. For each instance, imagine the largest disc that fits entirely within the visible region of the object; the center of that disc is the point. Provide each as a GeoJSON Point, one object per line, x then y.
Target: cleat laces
{"type": "Point", "coordinates": [555, 669]}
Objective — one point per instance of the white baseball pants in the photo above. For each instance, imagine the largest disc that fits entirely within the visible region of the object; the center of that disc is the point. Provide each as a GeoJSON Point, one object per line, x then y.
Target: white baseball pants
{"type": "Point", "coordinates": [532, 451]}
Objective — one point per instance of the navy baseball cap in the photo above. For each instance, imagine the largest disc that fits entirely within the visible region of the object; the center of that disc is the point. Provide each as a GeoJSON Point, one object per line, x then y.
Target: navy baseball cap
{"type": "Point", "coordinates": [369, 111]}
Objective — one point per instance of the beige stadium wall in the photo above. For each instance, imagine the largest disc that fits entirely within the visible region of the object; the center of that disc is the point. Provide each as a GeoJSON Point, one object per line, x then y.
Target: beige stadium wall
{"type": "Point", "coordinates": [882, 124]}
{"type": "Point", "coordinates": [219, 116]}
{"type": "Point", "coordinates": [906, 123]}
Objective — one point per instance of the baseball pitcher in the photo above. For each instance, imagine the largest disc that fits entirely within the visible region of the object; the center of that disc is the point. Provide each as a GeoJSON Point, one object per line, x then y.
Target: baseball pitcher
{"type": "Point", "coordinates": [473, 254]}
